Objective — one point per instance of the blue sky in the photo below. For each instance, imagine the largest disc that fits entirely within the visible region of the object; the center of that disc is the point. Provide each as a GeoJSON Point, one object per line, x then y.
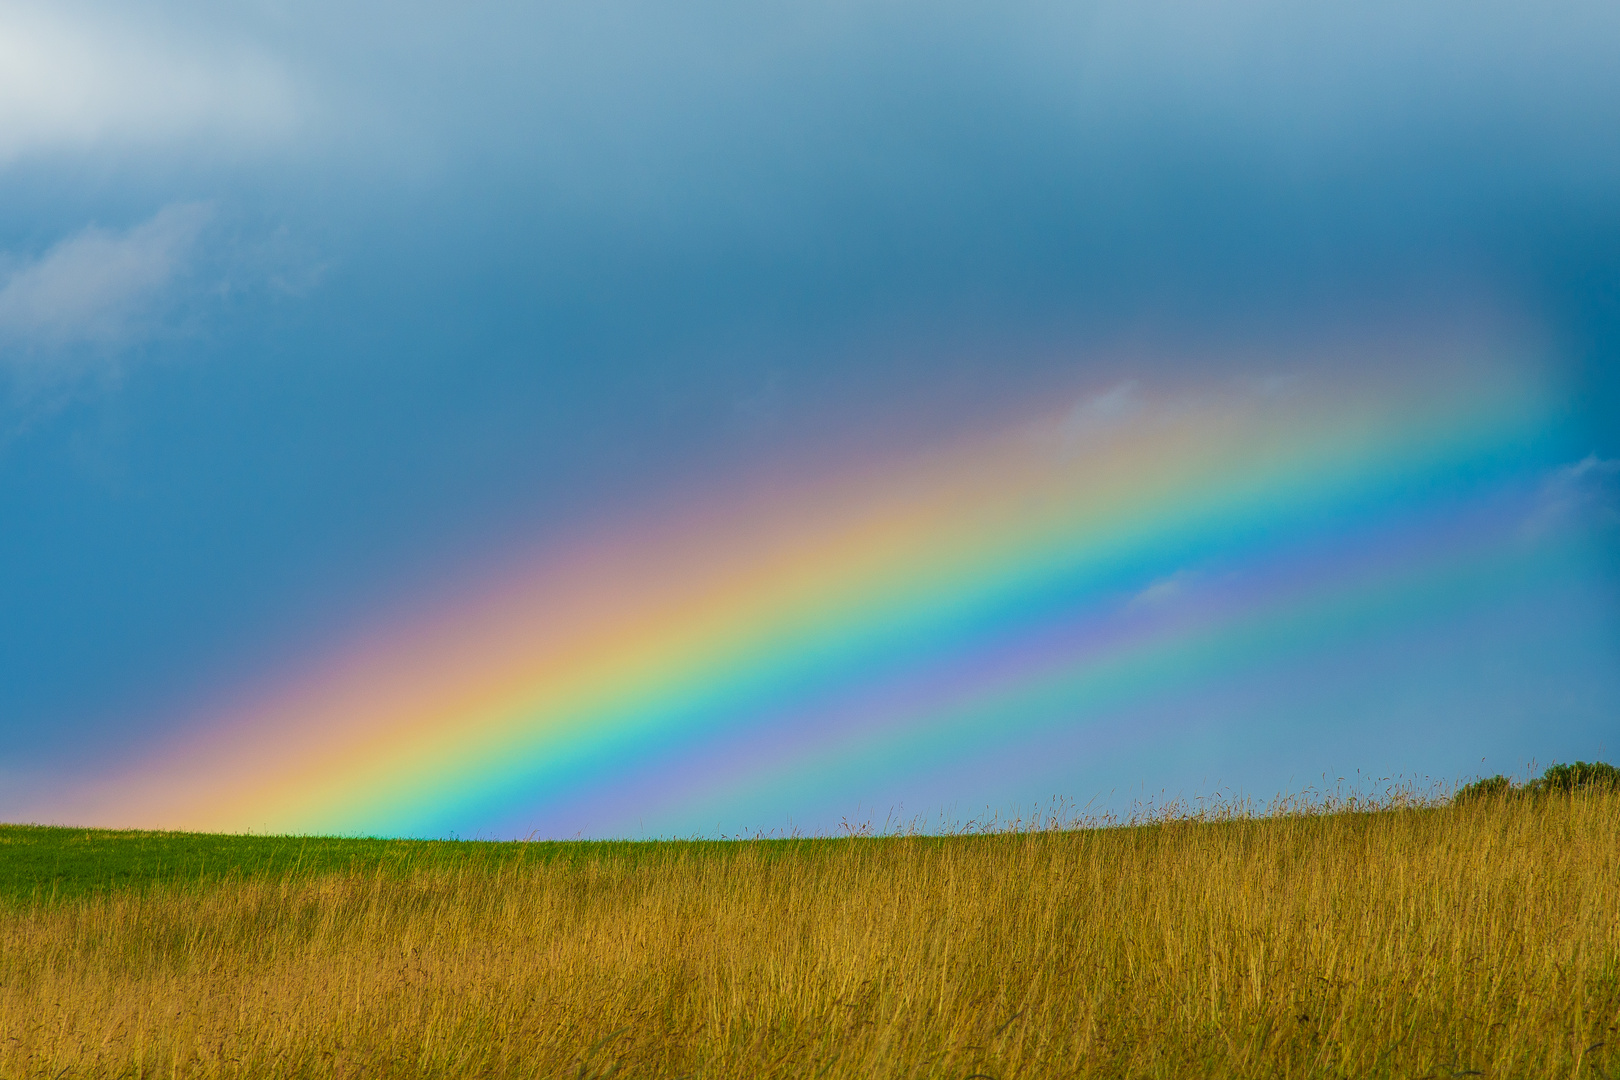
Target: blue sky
{"type": "Point", "coordinates": [305, 307]}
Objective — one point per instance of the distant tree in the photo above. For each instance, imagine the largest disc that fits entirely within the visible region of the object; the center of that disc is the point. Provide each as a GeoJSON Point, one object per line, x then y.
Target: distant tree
{"type": "Point", "coordinates": [1598, 775]}
{"type": "Point", "coordinates": [1491, 787]}
{"type": "Point", "coordinates": [1558, 779]}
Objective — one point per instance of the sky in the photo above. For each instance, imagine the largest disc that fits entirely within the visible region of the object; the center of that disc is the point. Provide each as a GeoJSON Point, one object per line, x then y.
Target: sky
{"type": "Point", "coordinates": [616, 419]}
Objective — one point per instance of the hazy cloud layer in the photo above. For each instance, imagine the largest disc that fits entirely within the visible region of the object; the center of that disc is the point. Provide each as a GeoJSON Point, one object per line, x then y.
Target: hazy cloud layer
{"type": "Point", "coordinates": [86, 80]}
{"type": "Point", "coordinates": [98, 286]}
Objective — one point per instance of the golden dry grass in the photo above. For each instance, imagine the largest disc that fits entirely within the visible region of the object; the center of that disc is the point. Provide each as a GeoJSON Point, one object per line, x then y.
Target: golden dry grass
{"type": "Point", "coordinates": [1416, 943]}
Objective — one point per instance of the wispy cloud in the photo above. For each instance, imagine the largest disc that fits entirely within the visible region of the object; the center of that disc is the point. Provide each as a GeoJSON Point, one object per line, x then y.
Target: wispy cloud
{"type": "Point", "coordinates": [1582, 493]}
{"type": "Point", "coordinates": [1162, 591]}
{"type": "Point", "coordinates": [1100, 413]}
{"type": "Point", "coordinates": [98, 286]}
{"type": "Point", "coordinates": [72, 82]}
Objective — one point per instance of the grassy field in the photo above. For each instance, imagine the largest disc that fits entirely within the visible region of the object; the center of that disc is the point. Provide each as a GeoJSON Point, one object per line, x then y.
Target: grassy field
{"type": "Point", "coordinates": [1477, 940]}
{"type": "Point", "coordinates": [43, 864]}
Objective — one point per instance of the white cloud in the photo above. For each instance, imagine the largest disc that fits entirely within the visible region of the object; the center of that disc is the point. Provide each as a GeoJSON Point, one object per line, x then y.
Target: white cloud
{"type": "Point", "coordinates": [1162, 591]}
{"type": "Point", "coordinates": [97, 286]}
{"type": "Point", "coordinates": [74, 83]}
{"type": "Point", "coordinates": [1583, 493]}
{"type": "Point", "coordinates": [1101, 413]}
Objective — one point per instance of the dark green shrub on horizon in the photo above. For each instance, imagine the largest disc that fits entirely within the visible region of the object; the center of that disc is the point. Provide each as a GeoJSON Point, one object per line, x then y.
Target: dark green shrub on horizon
{"type": "Point", "coordinates": [1596, 774]}
{"type": "Point", "coordinates": [1491, 786]}
{"type": "Point", "coordinates": [1558, 779]}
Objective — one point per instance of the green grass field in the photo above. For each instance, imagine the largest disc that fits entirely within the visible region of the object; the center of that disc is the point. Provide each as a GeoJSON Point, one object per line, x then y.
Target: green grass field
{"type": "Point", "coordinates": [55, 864]}
{"type": "Point", "coordinates": [60, 864]}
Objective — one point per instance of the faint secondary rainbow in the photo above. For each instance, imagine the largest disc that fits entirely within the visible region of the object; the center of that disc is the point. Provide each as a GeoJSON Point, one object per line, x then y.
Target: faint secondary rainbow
{"type": "Point", "coordinates": [919, 615]}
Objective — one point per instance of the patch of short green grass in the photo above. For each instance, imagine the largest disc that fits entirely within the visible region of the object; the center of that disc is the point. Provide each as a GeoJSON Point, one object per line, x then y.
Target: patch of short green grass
{"type": "Point", "coordinates": [44, 864]}
{"type": "Point", "coordinates": [49, 863]}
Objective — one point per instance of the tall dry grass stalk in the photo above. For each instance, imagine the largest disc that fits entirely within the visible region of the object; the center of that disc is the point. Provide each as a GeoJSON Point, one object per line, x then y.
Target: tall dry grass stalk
{"type": "Point", "coordinates": [1431, 943]}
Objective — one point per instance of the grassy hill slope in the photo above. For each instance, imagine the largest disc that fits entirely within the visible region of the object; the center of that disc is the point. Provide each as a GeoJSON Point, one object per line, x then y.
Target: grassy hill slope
{"type": "Point", "coordinates": [1481, 939]}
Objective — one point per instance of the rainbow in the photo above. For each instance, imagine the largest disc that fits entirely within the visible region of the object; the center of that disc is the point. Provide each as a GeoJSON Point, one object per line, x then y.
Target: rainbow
{"type": "Point", "coordinates": [978, 616]}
